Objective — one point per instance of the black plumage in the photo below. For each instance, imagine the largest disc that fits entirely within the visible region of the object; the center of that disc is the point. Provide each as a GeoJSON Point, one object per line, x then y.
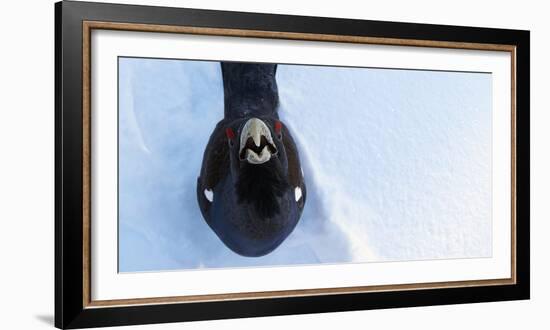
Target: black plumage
{"type": "Point", "coordinates": [251, 190]}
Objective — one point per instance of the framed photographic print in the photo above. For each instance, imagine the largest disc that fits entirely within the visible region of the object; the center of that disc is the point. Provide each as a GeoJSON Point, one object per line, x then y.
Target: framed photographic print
{"type": "Point", "coordinates": [216, 164]}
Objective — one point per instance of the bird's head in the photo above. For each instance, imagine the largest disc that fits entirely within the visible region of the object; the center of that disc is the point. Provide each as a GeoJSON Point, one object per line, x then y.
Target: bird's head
{"type": "Point", "coordinates": [259, 164]}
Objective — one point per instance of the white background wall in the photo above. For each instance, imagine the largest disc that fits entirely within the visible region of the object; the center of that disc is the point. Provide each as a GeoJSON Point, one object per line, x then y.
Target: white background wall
{"type": "Point", "coordinates": [27, 148]}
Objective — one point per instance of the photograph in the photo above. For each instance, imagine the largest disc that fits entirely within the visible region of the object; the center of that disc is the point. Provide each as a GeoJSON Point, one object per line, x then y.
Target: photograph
{"type": "Point", "coordinates": [243, 164]}
{"type": "Point", "coordinates": [273, 165]}
{"type": "Point", "coordinates": [217, 164]}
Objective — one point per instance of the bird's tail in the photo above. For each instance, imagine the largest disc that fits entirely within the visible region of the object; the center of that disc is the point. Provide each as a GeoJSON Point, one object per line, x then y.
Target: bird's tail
{"type": "Point", "coordinates": [250, 89]}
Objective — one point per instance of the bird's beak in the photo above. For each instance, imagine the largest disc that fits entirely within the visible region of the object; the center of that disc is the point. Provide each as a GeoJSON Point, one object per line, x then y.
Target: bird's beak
{"type": "Point", "coordinates": [256, 143]}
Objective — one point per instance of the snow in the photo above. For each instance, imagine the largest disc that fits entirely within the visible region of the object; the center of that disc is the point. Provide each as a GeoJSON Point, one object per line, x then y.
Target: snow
{"type": "Point", "coordinates": [397, 164]}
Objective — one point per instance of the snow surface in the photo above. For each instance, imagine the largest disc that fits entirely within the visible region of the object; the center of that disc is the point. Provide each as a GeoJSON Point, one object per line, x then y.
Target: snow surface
{"type": "Point", "coordinates": [397, 164]}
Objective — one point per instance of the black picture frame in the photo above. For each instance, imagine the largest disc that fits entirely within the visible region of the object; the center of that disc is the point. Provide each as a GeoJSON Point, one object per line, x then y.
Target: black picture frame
{"type": "Point", "coordinates": [70, 307]}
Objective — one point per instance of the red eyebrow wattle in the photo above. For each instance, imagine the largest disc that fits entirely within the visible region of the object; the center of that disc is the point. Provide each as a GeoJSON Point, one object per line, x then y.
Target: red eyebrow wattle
{"type": "Point", "coordinates": [278, 127]}
{"type": "Point", "coordinates": [229, 133]}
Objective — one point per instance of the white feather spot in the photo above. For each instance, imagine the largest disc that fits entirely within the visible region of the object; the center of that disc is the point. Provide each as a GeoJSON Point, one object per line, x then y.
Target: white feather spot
{"type": "Point", "coordinates": [209, 194]}
{"type": "Point", "coordinates": [297, 193]}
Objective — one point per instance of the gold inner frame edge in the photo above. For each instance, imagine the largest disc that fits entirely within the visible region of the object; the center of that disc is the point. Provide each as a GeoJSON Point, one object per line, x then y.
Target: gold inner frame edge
{"type": "Point", "coordinates": [88, 26]}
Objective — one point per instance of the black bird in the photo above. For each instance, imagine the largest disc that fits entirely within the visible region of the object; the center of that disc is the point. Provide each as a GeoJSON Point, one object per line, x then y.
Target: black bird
{"type": "Point", "coordinates": [251, 190]}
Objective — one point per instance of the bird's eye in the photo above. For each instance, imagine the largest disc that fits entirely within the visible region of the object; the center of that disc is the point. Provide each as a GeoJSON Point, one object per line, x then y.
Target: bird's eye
{"type": "Point", "coordinates": [230, 135]}
{"type": "Point", "coordinates": [278, 128]}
